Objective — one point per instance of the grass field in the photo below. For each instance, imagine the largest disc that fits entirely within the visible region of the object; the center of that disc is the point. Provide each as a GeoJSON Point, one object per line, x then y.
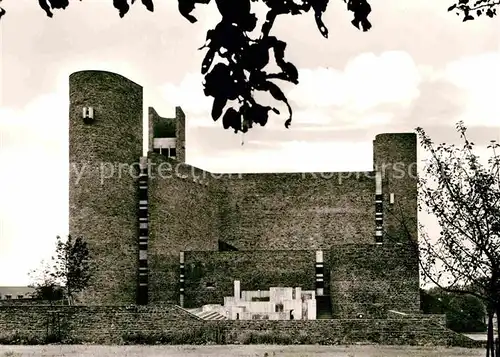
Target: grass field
{"type": "Point", "coordinates": [237, 351]}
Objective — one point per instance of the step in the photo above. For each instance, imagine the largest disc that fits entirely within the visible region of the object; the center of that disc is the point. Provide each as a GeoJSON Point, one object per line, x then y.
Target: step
{"type": "Point", "coordinates": [211, 315]}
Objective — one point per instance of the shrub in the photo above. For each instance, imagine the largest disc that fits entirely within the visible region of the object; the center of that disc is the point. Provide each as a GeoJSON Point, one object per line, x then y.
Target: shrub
{"type": "Point", "coordinates": [464, 313]}
{"type": "Point", "coordinates": [191, 336]}
{"type": "Point", "coordinates": [16, 338]}
{"type": "Point", "coordinates": [139, 338]}
{"type": "Point", "coordinates": [303, 338]}
{"type": "Point", "coordinates": [265, 338]}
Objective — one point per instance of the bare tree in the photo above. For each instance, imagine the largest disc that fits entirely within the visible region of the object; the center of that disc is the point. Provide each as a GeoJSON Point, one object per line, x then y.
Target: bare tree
{"type": "Point", "coordinates": [464, 196]}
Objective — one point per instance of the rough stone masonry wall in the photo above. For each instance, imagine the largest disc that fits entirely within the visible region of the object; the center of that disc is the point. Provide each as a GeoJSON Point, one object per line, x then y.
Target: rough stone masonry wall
{"type": "Point", "coordinates": [102, 187]}
{"type": "Point", "coordinates": [182, 213]}
{"type": "Point", "coordinates": [180, 134]}
{"type": "Point", "coordinates": [297, 211]}
{"type": "Point", "coordinates": [373, 278]}
{"type": "Point", "coordinates": [395, 155]}
{"type": "Point", "coordinates": [112, 325]}
{"type": "Point", "coordinates": [413, 331]}
{"type": "Point", "coordinates": [91, 323]}
{"type": "Point", "coordinates": [256, 270]}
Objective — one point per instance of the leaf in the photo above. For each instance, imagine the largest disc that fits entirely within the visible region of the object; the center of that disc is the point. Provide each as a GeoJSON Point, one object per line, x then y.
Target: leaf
{"type": "Point", "coordinates": [361, 10]}
{"type": "Point", "coordinates": [207, 61]}
{"type": "Point", "coordinates": [46, 7]}
{"type": "Point", "coordinates": [321, 26]}
{"type": "Point", "coordinates": [187, 6]}
{"type": "Point", "coordinates": [59, 4]}
{"type": "Point", "coordinates": [291, 72]}
{"type": "Point", "coordinates": [122, 6]}
{"type": "Point", "coordinates": [149, 5]}
{"type": "Point", "coordinates": [217, 80]}
{"type": "Point", "coordinates": [218, 107]}
{"type": "Point", "coordinates": [452, 7]}
{"type": "Point", "coordinates": [232, 119]}
{"type": "Point", "coordinates": [258, 114]}
{"type": "Point", "coordinates": [276, 92]}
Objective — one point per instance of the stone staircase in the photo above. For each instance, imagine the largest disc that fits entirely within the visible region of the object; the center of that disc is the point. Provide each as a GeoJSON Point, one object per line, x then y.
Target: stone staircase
{"type": "Point", "coordinates": [207, 315]}
{"type": "Point", "coordinates": [211, 315]}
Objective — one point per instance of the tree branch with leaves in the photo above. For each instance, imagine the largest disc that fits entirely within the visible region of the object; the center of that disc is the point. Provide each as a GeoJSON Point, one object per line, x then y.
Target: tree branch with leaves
{"type": "Point", "coordinates": [473, 9]}
{"type": "Point", "coordinates": [240, 70]}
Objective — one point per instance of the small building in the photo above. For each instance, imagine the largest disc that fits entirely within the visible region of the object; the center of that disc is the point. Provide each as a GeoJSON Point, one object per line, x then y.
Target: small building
{"type": "Point", "coordinates": [15, 292]}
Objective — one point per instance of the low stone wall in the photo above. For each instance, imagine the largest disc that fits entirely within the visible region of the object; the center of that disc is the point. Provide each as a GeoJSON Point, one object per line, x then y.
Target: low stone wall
{"type": "Point", "coordinates": [173, 325]}
{"type": "Point", "coordinates": [100, 324]}
{"type": "Point", "coordinates": [412, 331]}
{"type": "Point", "coordinates": [439, 319]}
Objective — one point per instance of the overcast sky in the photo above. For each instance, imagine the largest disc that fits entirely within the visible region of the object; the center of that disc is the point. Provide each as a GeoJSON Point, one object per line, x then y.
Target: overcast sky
{"type": "Point", "coordinates": [418, 66]}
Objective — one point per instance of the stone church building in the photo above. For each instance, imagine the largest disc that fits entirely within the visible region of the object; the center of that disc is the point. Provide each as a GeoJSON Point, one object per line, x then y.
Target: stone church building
{"type": "Point", "coordinates": [162, 231]}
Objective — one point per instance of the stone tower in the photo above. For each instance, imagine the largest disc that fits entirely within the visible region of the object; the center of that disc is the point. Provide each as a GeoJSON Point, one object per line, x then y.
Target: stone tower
{"type": "Point", "coordinates": [105, 144]}
{"type": "Point", "coordinates": [167, 135]}
{"type": "Point", "coordinates": [395, 158]}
